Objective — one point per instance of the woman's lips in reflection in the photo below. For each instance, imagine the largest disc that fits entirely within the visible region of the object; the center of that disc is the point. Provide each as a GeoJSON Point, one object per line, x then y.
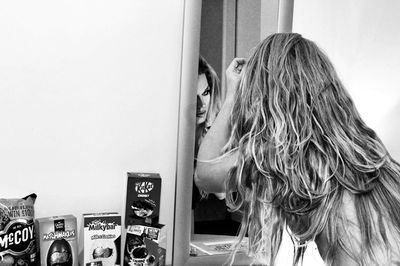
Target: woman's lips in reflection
{"type": "Point", "coordinates": [201, 113]}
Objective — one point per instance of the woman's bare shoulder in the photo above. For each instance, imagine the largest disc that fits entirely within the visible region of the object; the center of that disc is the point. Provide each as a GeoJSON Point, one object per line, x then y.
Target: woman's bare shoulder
{"type": "Point", "coordinates": [350, 236]}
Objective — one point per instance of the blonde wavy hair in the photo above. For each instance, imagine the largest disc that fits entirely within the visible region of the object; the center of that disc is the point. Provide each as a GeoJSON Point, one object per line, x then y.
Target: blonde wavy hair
{"type": "Point", "coordinates": [302, 145]}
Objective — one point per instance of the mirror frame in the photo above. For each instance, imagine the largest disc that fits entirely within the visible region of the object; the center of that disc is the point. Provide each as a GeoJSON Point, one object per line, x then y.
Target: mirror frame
{"type": "Point", "coordinates": [186, 131]}
{"type": "Point", "coordinates": [278, 20]}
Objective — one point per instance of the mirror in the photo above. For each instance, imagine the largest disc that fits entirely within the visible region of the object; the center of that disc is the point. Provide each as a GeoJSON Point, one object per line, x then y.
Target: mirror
{"type": "Point", "coordinates": [272, 16]}
{"type": "Point", "coordinates": [229, 29]}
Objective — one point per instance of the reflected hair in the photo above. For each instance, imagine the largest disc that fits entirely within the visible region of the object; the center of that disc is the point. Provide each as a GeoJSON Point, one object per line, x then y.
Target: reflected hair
{"type": "Point", "coordinates": [214, 85]}
{"type": "Point", "coordinates": [302, 148]}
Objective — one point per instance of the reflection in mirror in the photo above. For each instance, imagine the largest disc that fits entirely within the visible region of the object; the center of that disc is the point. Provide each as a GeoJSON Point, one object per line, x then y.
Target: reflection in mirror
{"type": "Point", "coordinates": [210, 214]}
{"type": "Point", "coordinates": [229, 29]}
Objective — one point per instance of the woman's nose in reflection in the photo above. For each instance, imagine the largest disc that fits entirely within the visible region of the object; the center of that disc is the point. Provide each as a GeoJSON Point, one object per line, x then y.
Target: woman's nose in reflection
{"type": "Point", "coordinates": [200, 104]}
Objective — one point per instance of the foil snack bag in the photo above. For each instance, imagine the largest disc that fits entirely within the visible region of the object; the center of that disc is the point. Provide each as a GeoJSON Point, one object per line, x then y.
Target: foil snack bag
{"type": "Point", "coordinates": [17, 232]}
{"type": "Point", "coordinates": [57, 236]}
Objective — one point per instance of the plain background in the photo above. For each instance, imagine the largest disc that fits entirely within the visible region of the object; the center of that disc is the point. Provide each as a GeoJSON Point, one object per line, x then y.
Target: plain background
{"type": "Point", "coordinates": [89, 90]}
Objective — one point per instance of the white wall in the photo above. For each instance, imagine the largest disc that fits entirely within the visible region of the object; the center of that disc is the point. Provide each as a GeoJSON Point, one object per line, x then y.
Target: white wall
{"type": "Point", "coordinates": [362, 39]}
{"type": "Point", "coordinates": [88, 91]}
{"type": "Point", "coordinates": [248, 26]}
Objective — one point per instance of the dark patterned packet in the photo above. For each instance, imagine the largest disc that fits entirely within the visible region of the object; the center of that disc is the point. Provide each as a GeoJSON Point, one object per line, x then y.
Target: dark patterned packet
{"type": "Point", "coordinates": [17, 232]}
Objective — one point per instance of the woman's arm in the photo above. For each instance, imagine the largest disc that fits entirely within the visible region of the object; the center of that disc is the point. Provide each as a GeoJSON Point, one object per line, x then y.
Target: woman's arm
{"type": "Point", "coordinates": [211, 171]}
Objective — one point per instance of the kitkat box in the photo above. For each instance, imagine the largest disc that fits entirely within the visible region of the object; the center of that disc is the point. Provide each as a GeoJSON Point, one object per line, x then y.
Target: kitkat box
{"type": "Point", "coordinates": [143, 199]}
{"type": "Point", "coordinates": [101, 239]}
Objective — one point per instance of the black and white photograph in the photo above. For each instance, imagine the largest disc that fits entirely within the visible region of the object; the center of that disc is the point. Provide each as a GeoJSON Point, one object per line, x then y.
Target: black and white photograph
{"type": "Point", "coordinates": [199, 133]}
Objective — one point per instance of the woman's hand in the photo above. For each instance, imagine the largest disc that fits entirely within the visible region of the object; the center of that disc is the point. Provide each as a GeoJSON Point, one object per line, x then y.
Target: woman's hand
{"type": "Point", "coordinates": [233, 76]}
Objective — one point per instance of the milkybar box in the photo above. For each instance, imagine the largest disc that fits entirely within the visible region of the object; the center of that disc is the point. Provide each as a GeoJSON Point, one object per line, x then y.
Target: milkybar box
{"type": "Point", "coordinates": [101, 239]}
{"type": "Point", "coordinates": [143, 199]}
{"type": "Point", "coordinates": [57, 237]}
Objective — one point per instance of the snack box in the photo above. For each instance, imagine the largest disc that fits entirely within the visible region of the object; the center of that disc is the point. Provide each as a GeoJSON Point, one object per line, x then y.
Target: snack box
{"type": "Point", "coordinates": [145, 245]}
{"type": "Point", "coordinates": [143, 199]}
{"type": "Point", "coordinates": [57, 237]}
{"type": "Point", "coordinates": [101, 239]}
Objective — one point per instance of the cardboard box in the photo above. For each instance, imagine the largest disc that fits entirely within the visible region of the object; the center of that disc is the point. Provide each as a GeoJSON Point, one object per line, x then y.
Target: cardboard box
{"type": "Point", "coordinates": [145, 245]}
{"type": "Point", "coordinates": [101, 239]}
{"type": "Point", "coordinates": [57, 237]}
{"type": "Point", "coordinates": [143, 199]}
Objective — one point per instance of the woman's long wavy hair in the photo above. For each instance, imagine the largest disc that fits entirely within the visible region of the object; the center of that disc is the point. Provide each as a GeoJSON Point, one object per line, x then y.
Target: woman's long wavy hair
{"type": "Point", "coordinates": [302, 149]}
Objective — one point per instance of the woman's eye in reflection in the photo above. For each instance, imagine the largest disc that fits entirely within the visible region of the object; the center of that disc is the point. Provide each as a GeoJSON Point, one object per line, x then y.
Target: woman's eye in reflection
{"type": "Point", "coordinates": [206, 92]}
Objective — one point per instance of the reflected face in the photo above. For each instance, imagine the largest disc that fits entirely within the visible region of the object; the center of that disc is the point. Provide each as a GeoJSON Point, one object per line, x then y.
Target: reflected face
{"type": "Point", "coordinates": [203, 99]}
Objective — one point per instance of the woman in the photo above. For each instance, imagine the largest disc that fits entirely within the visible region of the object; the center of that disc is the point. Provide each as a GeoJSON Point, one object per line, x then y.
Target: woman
{"type": "Point", "coordinates": [296, 155]}
{"type": "Point", "coordinates": [210, 215]}
{"type": "Point", "coordinates": [209, 99]}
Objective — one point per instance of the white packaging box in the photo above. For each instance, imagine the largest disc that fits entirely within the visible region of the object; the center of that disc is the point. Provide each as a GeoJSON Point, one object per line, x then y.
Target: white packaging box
{"type": "Point", "coordinates": [101, 239]}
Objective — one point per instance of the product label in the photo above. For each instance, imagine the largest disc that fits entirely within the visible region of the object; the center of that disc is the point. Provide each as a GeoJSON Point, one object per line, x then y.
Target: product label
{"type": "Point", "coordinates": [59, 225]}
{"type": "Point", "coordinates": [144, 187]}
{"type": "Point", "coordinates": [59, 235]}
{"type": "Point", "coordinates": [17, 237]}
{"type": "Point", "coordinates": [20, 211]}
{"type": "Point", "coordinates": [100, 225]}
